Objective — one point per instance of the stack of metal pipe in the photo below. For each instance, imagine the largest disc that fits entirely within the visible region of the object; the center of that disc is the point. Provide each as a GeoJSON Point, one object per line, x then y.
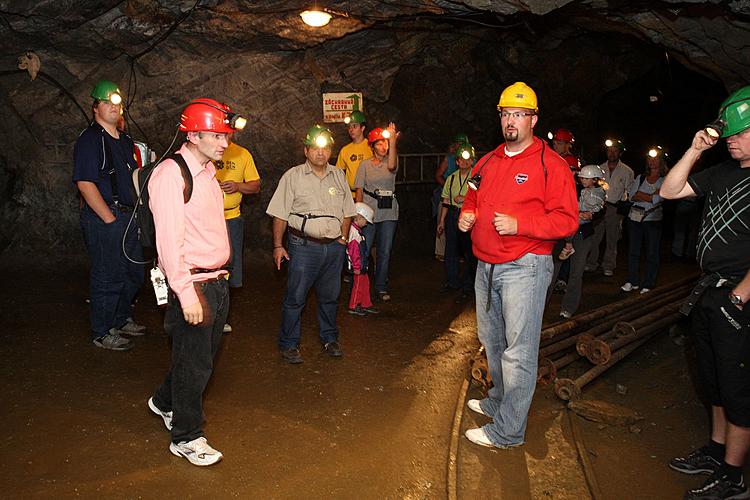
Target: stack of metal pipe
{"type": "Point", "coordinates": [602, 336]}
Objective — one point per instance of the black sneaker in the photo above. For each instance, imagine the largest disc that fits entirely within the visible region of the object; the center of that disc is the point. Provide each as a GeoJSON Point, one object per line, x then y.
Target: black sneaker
{"type": "Point", "coordinates": [371, 310]}
{"type": "Point", "coordinates": [698, 462]}
{"type": "Point", "coordinates": [333, 349]}
{"type": "Point", "coordinates": [292, 356]}
{"type": "Point", "coordinates": [719, 487]}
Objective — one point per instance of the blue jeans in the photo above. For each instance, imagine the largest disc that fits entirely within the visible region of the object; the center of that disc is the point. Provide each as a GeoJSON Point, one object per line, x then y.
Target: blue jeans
{"type": "Point", "coordinates": [236, 230]}
{"type": "Point", "coordinates": [194, 348]}
{"type": "Point", "coordinates": [114, 280]}
{"type": "Point", "coordinates": [381, 233]}
{"type": "Point", "coordinates": [311, 264]}
{"type": "Point", "coordinates": [639, 233]}
{"type": "Point", "coordinates": [509, 332]}
{"type": "Point", "coordinates": [458, 243]}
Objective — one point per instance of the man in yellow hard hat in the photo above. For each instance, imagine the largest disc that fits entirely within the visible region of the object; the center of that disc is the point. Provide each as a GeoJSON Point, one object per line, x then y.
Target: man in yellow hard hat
{"type": "Point", "coordinates": [522, 200]}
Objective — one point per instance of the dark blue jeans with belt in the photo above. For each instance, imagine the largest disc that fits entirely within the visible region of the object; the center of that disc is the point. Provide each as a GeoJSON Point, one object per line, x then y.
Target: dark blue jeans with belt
{"type": "Point", "coordinates": [194, 348]}
{"type": "Point", "coordinates": [114, 280]}
{"type": "Point", "coordinates": [311, 265]}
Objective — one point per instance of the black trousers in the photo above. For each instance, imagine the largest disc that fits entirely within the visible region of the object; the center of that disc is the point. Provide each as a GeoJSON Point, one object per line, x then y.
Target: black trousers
{"type": "Point", "coordinates": [722, 342]}
{"type": "Point", "coordinates": [193, 350]}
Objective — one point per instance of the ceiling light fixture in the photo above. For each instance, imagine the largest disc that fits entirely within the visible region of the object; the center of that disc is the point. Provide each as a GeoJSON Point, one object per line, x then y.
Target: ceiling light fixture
{"type": "Point", "coordinates": [315, 17]}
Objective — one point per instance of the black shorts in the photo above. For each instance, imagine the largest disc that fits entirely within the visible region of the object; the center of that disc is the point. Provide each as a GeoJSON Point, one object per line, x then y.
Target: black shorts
{"type": "Point", "coordinates": [722, 342]}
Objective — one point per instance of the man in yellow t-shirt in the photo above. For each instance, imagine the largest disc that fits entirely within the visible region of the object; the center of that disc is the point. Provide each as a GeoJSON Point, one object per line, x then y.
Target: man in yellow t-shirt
{"type": "Point", "coordinates": [237, 175]}
{"type": "Point", "coordinates": [353, 153]}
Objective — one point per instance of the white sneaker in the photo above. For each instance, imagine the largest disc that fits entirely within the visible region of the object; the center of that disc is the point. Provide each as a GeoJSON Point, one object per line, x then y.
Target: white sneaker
{"type": "Point", "coordinates": [628, 287]}
{"type": "Point", "coordinates": [198, 452]}
{"type": "Point", "coordinates": [227, 328]}
{"type": "Point", "coordinates": [607, 272]}
{"type": "Point", "coordinates": [645, 290]}
{"type": "Point", "coordinates": [566, 314]}
{"type": "Point", "coordinates": [473, 405]}
{"type": "Point", "coordinates": [165, 415]}
{"type": "Point", "coordinates": [478, 436]}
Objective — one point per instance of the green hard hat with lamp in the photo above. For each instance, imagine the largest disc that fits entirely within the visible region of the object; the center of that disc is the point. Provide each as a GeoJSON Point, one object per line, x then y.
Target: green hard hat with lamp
{"type": "Point", "coordinates": [318, 136]}
{"type": "Point", "coordinates": [104, 90]}
{"type": "Point", "coordinates": [734, 115]}
{"type": "Point", "coordinates": [355, 117]}
{"type": "Point", "coordinates": [465, 151]}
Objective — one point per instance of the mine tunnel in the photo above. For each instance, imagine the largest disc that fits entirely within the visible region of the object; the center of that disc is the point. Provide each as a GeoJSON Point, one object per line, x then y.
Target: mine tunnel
{"type": "Point", "coordinates": [309, 394]}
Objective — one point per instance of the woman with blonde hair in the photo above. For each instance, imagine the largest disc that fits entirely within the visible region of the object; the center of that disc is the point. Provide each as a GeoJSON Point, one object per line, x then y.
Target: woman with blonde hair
{"type": "Point", "coordinates": [645, 221]}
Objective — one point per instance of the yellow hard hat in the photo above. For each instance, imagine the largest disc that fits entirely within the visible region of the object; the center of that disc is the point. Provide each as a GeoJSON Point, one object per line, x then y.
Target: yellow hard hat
{"type": "Point", "coordinates": [518, 95]}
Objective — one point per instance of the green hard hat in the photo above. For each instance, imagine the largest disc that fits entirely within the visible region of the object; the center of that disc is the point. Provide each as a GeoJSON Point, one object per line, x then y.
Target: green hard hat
{"type": "Point", "coordinates": [355, 117]}
{"type": "Point", "coordinates": [460, 138]}
{"type": "Point", "coordinates": [735, 112]}
{"type": "Point", "coordinates": [104, 90]}
{"type": "Point", "coordinates": [465, 151]}
{"type": "Point", "coordinates": [318, 136]}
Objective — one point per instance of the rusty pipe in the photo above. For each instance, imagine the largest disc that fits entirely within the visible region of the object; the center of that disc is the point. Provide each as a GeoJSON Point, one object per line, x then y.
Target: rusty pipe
{"type": "Point", "coordinates": [567, 389]}
{"type": "Point", "coordinates": [599, 352]}
{"type": "Point", "coordinates": [556, 329]}
{"type": "Point", "coordinates": [548, 368]}
{"type": "Point", "coordinates": [571, 339]}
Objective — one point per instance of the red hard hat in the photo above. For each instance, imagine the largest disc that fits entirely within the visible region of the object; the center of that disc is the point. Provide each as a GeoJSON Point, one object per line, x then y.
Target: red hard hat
{"type": "Point", "coordinates": [377, 134]}
{"type": "Point", "coordinates": [206, 115]}
{"type": "Point", "coordinates": [564, 135]}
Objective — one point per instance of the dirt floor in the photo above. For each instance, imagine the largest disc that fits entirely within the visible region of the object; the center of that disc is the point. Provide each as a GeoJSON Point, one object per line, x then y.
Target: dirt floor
{"type": "Point", "coordinates": [374, 424]}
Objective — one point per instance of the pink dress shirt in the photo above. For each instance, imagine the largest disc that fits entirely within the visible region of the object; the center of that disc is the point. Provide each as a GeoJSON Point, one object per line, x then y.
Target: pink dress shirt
{"type": "Point", "coordinates": [190, 235]}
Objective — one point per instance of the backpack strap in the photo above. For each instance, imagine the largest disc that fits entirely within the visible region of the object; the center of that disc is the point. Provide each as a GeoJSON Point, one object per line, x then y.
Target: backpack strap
{"type": "Point", "coordinates": [187, 192]}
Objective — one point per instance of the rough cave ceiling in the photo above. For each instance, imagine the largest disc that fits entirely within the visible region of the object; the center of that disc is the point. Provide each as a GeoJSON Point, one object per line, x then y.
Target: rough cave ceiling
{"type": "Point", "coordinates": [434, 65]}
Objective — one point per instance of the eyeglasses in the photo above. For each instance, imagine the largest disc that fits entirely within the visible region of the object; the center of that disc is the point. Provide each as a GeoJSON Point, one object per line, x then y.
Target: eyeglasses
{"type": "Point", "coordinates": [516, 114]}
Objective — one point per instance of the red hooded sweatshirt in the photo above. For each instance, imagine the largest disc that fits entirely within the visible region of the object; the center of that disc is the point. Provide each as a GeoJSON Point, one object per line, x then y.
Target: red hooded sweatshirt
{"type": "Point", "coordinates": [546, 208]}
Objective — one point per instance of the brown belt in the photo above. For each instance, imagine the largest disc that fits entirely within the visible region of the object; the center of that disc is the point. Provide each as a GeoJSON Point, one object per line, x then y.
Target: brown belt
{"type": "Point", "coordinates": [320, 241]}
{"type": "Point", "coordinates": [222, 276]}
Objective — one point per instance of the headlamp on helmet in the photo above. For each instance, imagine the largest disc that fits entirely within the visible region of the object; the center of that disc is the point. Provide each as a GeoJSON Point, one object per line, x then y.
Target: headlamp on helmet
{"type": "Point", "coordinates": [656, 151]}
{"type": "Point", "coordinates": [377, 134]}
{"type": "Point", "coordinates": [107, 91]}
{"type": "Point", "coordinates": [465, 151]}
{"type": "Point", "coordinates": [208, 115]}
{"type": "Point", "coordinates": [318, 136]}
{"type": "Point", "coordinates": [355, 117]}
{"type": "Point", "coordinates": [734, 115]}
{"type": "Point", "coordinates": [616, 143]}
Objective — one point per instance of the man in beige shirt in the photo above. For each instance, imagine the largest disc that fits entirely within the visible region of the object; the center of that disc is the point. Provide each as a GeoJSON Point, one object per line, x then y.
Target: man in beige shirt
{"type": "Point", "coordinates": [313, 205]}
{"type": "Point", "coordinates": [619, 177]}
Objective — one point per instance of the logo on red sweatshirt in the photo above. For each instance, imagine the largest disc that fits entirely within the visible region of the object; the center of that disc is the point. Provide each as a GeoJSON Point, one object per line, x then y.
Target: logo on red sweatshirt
{"type": "Point", "coordinates": [521, 178]}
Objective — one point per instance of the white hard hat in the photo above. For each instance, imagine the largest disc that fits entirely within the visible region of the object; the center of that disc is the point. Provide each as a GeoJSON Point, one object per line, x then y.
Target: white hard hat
{"type": "Point", "coordinates": [591, 172]}
{"type": "Point", "coordinates": [365, 211]}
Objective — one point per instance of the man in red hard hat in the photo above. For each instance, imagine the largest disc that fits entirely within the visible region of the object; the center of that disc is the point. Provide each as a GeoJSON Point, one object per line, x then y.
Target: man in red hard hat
{"type": "Point", "coordinates": [562, 143]}
{"type": "Point", "coordinates": [193, 248]}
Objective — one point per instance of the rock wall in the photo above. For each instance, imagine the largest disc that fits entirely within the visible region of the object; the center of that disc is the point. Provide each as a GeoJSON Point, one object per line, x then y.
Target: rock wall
{"type": "Point", "coordinates": [435, 68]}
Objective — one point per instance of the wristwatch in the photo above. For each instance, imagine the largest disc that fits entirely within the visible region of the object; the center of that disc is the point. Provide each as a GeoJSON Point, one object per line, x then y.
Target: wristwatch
{"type": "Point", "coordinates": [735, 299]}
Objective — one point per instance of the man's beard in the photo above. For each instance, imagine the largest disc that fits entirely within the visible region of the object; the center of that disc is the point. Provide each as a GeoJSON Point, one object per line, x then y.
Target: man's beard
{"type": "Point", "coordinates": [511, 136]}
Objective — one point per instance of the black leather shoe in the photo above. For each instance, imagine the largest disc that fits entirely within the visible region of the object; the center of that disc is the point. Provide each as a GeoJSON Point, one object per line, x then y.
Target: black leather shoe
{"type": "Point", "coordinates": [292, 356]}
{"type": "Point", "coordinates": [333, 349]}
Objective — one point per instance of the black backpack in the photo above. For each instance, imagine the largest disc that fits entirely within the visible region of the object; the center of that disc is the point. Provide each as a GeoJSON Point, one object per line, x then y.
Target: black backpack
{"type": "Point", "coordinates": [141, 176]}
